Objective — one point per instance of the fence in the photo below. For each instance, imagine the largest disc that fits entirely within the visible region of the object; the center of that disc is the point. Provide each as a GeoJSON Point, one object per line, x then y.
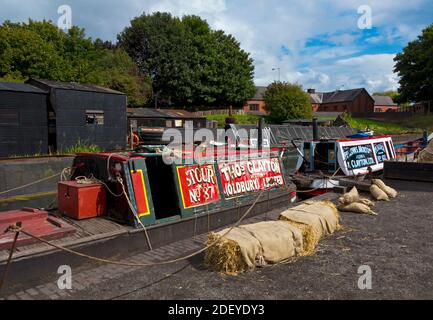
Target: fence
{"type": "Point", "coordinates": [219, 111]}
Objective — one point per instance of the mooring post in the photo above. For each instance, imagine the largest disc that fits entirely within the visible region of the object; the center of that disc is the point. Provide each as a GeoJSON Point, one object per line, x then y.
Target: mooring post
{"type": "Point", "coordinates": [5, 272]}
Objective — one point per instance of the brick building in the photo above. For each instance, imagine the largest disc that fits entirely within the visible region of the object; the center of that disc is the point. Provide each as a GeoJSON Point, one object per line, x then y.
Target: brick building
{"type": "Point", "coordinates": [256, 105]}
{"type": "Point", "coordinates": [354, 100]}
{"type": "Point", "coordinates": [384, 104]}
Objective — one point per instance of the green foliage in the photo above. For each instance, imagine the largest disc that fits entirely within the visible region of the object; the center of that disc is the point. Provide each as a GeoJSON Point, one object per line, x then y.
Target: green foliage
{"type": "Point", "coordinates": [378, 126]}
{"type": "Point", "coordinates": [240, 119]}
{"type": "Point", "coordinates": [189, 64]}
{"type": "Point", "coordinates": [41, 50]}
{"type": "Point", "coordinates": [286, 101]}
{"type": "Point", "coordinates": [415, 68]}
{"type": "Point", "coordinates": [79, 147]}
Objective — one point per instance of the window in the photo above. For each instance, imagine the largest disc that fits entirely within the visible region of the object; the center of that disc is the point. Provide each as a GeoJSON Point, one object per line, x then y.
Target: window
{"type": "Point", "coordinates": [178, 123]}
{"type": "Point", "coordinates": [168, 123]}
{"type": "Point", "coordinates": [95, 117]}
{"type": "Point", "coordinates": [9, 117]}
{"type": "Point", "coordinates": [254, 107]}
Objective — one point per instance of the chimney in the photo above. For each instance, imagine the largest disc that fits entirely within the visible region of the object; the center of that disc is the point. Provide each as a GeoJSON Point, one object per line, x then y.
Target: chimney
{"type": "Point", "coordinates": [315, 130]}
{"type": "Point", "coordinates": [311, 91]}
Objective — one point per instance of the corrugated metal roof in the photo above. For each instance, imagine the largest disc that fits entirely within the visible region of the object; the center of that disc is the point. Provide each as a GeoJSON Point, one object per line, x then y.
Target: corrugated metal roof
{"type": "Point", "coordinates": [74, 86]}
{"type": "Point", "coordinates": [384, 101]}
{"type": "Point", "coordinates": [280, 134]}
{"type": "Point", "coordinates": [162, 113]}
{"type": "Point", "coordinates": [19, 87]}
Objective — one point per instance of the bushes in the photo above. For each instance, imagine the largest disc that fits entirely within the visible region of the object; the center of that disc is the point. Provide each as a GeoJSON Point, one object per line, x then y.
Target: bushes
{"type": "Point", "coordinates": [287, 101]}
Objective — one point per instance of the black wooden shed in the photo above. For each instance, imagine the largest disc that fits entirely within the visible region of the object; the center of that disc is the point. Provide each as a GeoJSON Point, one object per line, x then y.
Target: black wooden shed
{"type": "Point", "coordinates": [23, 120]}
{"type": "Point", "coordinates": [87, 113]}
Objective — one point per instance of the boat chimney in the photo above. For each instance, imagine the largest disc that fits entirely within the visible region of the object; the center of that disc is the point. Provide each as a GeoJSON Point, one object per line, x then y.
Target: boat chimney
{"type": "Point", "coordinates": [260, 134]}
{"type": "Point", "coordinates": [315, 130]}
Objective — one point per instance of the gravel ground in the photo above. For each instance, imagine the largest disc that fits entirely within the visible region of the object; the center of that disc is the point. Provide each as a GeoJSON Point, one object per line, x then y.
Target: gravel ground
{"type": "Point", "coordinates": [397, 245]}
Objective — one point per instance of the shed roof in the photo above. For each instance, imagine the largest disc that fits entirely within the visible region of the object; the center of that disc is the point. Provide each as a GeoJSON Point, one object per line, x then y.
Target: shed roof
{"type": "Point", "coordinates": [162, 113]}
{"type": "Point", "coordinates": [73, 86]}
{"type": "Point", "coordinates": [384, 101]}
{"type": "Point", "coordinates": [20, 87]}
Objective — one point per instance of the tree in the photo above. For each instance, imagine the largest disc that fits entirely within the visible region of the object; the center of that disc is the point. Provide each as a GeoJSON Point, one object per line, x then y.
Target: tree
{"type": "Point", "coordinates": [415, 68]}
{"type": "Point", "coordinates": [287, 101]}
{"type": "Point", "coordinates": [223, 71]}
{"type": "Point", "coordinates": [39, 49]}
{"type": "Point", "coordinates": [158, 45]}
{"type": "Point", "coordinates": [114, 69]}
{"type": "Point", "coordinates": [189, 64]}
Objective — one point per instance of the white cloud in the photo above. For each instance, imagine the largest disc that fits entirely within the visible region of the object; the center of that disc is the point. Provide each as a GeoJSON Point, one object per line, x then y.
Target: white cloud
{"type": "Point", "coordinates": [264, 26]}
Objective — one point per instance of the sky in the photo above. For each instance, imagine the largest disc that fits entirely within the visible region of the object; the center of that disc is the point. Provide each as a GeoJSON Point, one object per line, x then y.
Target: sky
{"type": "Point", "coordinates": [325, 45]}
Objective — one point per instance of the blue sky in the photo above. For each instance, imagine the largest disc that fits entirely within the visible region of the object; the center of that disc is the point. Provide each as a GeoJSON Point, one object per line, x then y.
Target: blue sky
{"type": "Point", "coordinates": [315, 43]}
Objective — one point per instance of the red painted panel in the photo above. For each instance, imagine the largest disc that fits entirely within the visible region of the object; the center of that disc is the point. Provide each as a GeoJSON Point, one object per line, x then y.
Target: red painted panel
{"type": "Point", "coordinates": [37, 223]}
{"type": "Point", "coordinates": [198, 185]}
{"type": "Point", "coordinates": [239, 178]}
{"type": "Point", "coordinates": [140, 193]}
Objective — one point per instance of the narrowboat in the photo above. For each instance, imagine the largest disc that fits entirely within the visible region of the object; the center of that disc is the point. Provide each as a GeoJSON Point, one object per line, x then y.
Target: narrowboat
{"type": "Point", "coordinates": [322, 163]}
{"type": "Point", "coordinates": [111, 197]}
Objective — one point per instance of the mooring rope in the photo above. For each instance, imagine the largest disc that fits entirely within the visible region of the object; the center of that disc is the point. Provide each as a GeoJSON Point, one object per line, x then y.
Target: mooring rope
{"type": "Point", "coordinates": [17, 229]}
{"type": "Point", "coordinates": [32, 183]}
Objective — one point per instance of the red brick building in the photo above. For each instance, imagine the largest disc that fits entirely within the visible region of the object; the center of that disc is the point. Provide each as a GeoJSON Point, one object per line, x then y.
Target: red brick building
{"type": "Point", "coordinates": [384, 104]}
{"type": "Point", "coordinates": [354, 100]}
{"type": "Point", "coordinates": [256, 105]}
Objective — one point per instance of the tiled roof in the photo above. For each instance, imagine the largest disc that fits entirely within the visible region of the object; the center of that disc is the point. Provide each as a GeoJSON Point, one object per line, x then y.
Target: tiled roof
{"type": "Point", "coordinates": [384, 101]}
{"type": "Point", "coordinates": [335, 96]}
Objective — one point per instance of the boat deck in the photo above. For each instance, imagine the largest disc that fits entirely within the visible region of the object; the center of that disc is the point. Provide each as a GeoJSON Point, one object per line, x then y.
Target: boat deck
{"type": "Point", "coordinates": [87, 231]}
{"type": "Point", "coordinates": [105, 237]}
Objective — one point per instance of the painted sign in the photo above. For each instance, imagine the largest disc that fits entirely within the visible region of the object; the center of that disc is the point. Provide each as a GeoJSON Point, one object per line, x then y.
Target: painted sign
{"type": "Point", "coordinates": [239, 178]}
{"type": "Point", "coordinates": [359, 156]}
{"type": "Point", "coordinates": [198, 185]}
{"type": "Point", "coordinates": [379, 150]}
{"type": "Point", "coordinates": [140, 192]}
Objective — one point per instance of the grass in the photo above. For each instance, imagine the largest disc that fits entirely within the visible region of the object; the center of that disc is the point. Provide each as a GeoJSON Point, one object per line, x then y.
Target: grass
{"type": "Point", "coordinates": [424, 122]}
{"type": "Point", "coordinates": [79, 147]}
{"type": "Point", "coordinates": [240, 119]}
{"type": "Point", "coordinates": [380, 127]}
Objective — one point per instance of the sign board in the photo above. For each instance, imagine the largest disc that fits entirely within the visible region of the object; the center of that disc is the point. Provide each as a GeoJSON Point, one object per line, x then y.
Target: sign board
{"type": "Point", "coordinates": [198, 185]}
{"type": "Point", "coordinates": [240, 178]}
{"type": "Point", "coordinates": [357, 157]}
{"type": "Point", "coordinates": [380, 152]}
